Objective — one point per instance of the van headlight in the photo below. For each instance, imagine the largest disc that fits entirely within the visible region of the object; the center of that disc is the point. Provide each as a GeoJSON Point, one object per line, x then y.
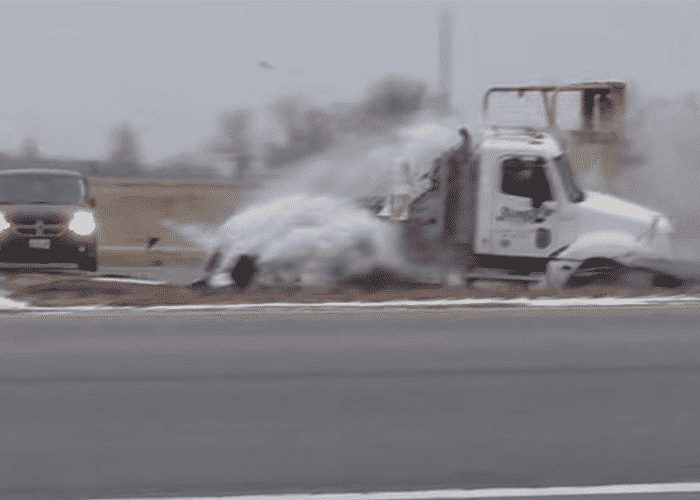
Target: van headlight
{"type": "Point", "coordinates": [82, 223]}
{"type": "Point", "coordinates": [4, 225]}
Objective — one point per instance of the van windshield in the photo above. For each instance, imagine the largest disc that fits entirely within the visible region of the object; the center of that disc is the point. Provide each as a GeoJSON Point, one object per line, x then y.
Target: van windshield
{"type": "Point", "coordinates": [45, 189]}
{"type": "Point", "coordinates": [573, 192]}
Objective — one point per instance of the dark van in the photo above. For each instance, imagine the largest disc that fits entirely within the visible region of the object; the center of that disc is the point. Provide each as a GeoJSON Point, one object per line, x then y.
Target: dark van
{"type": "Point", "coordinates": [47, 217]}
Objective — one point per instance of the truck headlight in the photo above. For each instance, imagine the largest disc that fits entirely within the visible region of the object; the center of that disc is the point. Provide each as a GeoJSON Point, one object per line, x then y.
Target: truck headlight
{"type": "Point", "coordinates": [664, 235]}
{"type": "Point", "coordinates": [4, 225]}
{"type": "Point", "coordinates": [82, 223]}
{"type": "Point", "coordinates": [664, 226]}
{"type": "Point", "coordinates": [659, 237]}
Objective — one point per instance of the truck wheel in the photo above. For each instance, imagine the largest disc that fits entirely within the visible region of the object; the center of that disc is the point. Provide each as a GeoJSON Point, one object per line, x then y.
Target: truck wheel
{"type": "Point", "coordinates": [595, 272]}
{"type": "Point", "coordinates": [638, 279]}
{"type": "Point", "coordinates": [606, 273]}
{"type": "Point", "coordinates": [88, 263]}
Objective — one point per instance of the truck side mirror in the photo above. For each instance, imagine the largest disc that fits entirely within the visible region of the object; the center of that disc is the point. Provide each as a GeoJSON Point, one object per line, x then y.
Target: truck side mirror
{"type": "Point", "coordinates": [539, 201]}
{"type": "Point", "coordinates": [550, 205]}
{"type": "Point", "coordinates": [547, 207]}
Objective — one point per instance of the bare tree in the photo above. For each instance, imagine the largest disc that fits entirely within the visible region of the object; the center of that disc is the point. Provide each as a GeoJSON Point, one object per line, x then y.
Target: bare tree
{"type": "Point", "coordinates": [29, 149]}
{"type": "Point", "coordinates": [308, 130]}
{"type": "Point", "coordinates": [393, 99]}
{"type": "Point", "coordinates": [125, 152]}
{"type": "Point", "coordinates": [125, 144]}
{"type": "Point", "coordinates": [235, 141]}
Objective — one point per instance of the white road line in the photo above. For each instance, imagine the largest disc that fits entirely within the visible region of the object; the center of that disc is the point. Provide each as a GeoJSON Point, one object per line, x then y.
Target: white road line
{"type": "Point", "coordinates": [495, 302]}
{"type": "Point", "coordinates": [677, 300]}
{"type": "Point", "coordinates": [8, 304]}
{"type": "Point", "coordinates": [133, 281]}
{"type": "Point", "coordinates": [459, 494]}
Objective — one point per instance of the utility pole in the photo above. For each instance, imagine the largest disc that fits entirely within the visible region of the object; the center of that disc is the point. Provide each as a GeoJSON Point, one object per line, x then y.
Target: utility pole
{"type": "Point", "coordinates": [446, 63]}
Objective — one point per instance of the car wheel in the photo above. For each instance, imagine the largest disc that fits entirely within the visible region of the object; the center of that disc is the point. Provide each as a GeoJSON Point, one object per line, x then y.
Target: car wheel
{"type": "Point", "coordinates": [244, 270]}
{"type": "Point", "coordinates": [88, 264]}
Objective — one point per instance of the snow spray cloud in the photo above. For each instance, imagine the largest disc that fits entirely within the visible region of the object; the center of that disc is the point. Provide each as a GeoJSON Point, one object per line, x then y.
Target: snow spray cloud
{"type": "Point", "coordinates": [305, 225]}
{"type": "Point", "coordinates": [664, 168]}
{"type": "Point", "coordinates": [307, 240]}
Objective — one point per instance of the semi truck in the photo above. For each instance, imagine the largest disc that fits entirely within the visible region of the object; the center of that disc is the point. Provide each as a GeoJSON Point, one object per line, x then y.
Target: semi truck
{"type": "Point", "coordinates": [511, 207]}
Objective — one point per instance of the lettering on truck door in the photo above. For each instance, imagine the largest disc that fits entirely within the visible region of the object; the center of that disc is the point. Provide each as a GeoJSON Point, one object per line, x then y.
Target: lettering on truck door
{"type": "Point", "coordinates": [522, 220]}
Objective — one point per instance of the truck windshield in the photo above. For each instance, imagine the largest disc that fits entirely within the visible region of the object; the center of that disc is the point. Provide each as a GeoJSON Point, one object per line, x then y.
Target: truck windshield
{"type": "Point", "coordinates": [48, 189]}
{"type": "Point", "coordinates": [573, 192]}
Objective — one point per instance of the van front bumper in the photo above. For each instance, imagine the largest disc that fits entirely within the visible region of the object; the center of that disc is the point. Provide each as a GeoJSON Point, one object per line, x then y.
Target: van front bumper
{"type": "Point", "coordinates": [64, 249]}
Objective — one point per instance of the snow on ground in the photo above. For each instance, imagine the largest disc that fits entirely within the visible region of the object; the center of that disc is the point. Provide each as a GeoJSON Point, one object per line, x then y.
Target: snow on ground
{"type": "Point", "coordinates": [7, 304]}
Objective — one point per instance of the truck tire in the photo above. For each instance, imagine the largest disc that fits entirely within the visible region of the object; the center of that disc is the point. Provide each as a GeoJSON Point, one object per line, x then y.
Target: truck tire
{"type": "Point", "coordinates": [636, 279]}
{"type": "Point", "coordinates": [607, 273]}
{"type": "Point", "coordinates": [595, 272]}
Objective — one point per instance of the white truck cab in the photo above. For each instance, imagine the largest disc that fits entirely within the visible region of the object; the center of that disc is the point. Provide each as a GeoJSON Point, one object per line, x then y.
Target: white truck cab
{"type": "Point", "coordinates": [529, 206]}
{"type": "Point", "coordinates": [511, 207]}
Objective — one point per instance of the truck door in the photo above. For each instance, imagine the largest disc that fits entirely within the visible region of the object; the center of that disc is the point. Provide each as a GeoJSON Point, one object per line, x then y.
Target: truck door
{"type": "Point", "coordinates": [522, 219]}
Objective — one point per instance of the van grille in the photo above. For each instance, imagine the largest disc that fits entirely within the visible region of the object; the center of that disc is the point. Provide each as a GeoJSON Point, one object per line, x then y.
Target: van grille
{"type": "Point", "coordinates": [39, 225]}
{"type": "Point", "coordinates": [32, 219]}
{"type": "Point", "coordinates": [53, 230]}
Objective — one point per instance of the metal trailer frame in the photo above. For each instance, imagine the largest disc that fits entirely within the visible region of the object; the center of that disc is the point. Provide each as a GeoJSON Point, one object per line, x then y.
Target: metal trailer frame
{"type": "Point", "coordinates": [550, 93]}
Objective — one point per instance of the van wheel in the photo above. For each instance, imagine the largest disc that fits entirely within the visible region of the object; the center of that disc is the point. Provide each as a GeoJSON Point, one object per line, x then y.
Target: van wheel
{"type": "Point", "coordinates": [88, 264]}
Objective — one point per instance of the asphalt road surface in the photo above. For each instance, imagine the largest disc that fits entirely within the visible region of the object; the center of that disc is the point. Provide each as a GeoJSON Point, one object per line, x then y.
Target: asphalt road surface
{"type": "Point", "coordinates": [179, 405]}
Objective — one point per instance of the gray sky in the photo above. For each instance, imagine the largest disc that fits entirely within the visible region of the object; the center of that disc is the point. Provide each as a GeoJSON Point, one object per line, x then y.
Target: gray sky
{"type": "Point", "coordinates": [71, 70]}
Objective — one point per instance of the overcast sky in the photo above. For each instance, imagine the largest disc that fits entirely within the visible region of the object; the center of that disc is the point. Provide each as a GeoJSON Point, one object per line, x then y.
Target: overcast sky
{"type": "Point", "coordinates": [71, 70]}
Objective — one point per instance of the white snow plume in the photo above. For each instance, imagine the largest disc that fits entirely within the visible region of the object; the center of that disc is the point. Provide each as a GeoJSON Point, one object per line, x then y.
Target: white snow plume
{"type": "Point", "coordinates": [307, 240]}
{"type": "Point", "coordinates": [664, 170]}
{"type": "Point", "coordinates": [362, 166]}
{"type": "Point", "coordinates": [202, 235]}
{"type": "Point", "coordinates": [306, 224]}
{"type": "Point", "coordinates": [307, 227]}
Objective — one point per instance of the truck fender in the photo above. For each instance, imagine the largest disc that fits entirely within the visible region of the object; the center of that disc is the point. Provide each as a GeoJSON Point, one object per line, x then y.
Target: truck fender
{"type": "Point", "coordinates": [617, 246]}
